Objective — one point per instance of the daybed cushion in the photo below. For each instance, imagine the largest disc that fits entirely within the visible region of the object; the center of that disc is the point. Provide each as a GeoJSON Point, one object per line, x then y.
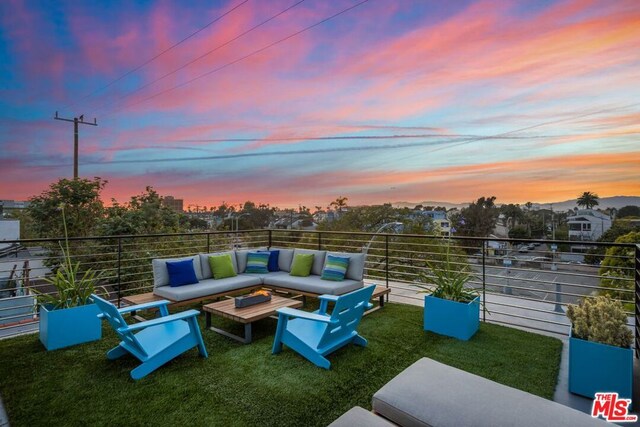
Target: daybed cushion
{"type": "Point", "coordinates": [356, 264]}
{"type": "Point", "coordinates": [429, 393]}
{"type": "Point", "coordinates": [206, 268]}
{"type": "Point", "coordinates": [207, 287]}
{"type": "Point", "coordinates": [161, 275]}
{"type": "Point", "coordinates": [311, 284]}
{"type": "Point", "coordinates": [318, 259]}
{"type": "Point", "coordinates": [357, 417]}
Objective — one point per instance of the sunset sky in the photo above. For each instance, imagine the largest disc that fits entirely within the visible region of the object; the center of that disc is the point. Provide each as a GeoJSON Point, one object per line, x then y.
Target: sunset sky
{"type": "Point", "coordinates": [384, 101]}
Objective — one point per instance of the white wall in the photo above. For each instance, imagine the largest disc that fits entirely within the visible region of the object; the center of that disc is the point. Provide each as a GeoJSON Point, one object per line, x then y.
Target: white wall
{"type": "Point", "coordinates": [9, 230]}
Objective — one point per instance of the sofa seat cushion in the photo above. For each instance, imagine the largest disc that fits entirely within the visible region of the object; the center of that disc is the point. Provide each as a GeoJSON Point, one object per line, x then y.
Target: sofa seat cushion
{"type": "Point", "coordinates": [429, 393]}
{"type": "Point", "coordinates": [208, 287]}
{"type": "Point", "coordinates": [161, 275]}
{"type": "Point", "coordinates": [312, 284]}
{"type": "Point", "coordinates": [358, 416]}
{"type": "Point", "coordinates": [206, 267]}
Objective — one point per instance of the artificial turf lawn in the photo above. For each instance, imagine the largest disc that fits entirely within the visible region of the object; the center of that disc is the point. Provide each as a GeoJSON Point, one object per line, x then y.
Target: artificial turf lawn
{"type": "Point", "coordinates": [246, 385]}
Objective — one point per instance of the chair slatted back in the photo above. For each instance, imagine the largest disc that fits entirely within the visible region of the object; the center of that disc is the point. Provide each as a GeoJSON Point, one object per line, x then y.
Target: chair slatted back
{"type": "Point", "coordinates": [116, 321]}
{"type": "Point", "coordinates": [348, 311]}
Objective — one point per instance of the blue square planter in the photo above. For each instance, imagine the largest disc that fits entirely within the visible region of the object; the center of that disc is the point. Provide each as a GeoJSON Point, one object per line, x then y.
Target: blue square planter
{"type": "Point", "coordinates": [596, 367]}
{"type": "Point", "coordinates": [451, 318]}
{"type": "Point", "coordinates": [69, 326]}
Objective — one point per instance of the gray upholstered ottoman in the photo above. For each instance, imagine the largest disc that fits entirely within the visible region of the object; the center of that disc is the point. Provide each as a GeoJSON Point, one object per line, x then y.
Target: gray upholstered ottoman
{"type": "Point", "coordinates": [429, 393]}
{"type": "Point", "coordinates": [360, 417]}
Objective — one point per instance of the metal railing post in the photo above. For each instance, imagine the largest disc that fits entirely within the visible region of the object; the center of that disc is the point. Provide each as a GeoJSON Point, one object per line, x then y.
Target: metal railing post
{"type": "Point", "coordinates": [386, 258]}
{"type": "Point", "coordinates": [270, 238]}
{"type": "Point", "coordinates": [319, 241]}
{"type": "Point", "coordinates": [119, 266]}
{"type": "Point", "coordinates": [637, 300]}
{"type": "Point", "coordinates": [484, 281]}
{"type": "Point", "coordinates": [208, 242]}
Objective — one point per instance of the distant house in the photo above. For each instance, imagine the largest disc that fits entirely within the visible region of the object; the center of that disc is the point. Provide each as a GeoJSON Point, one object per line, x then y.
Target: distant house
{"type": "Point", "coordinates": [439, 219]}
{"type": "Point", "coordinates": [588, 225]}
{"type": "Point", "coordinates": [173, 203]}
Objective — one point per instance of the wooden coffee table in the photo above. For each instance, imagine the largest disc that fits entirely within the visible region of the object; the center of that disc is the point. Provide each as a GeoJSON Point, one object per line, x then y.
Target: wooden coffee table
{"type": "Point", "coordinates": [246, 315]}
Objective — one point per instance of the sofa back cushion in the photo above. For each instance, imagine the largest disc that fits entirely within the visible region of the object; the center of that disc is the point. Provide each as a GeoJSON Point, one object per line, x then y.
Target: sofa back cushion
{"type": "Point", "coordinates": [206, 267]}
{"type": "Point", "coordinates": [161, 275]}
{"type": "Point", "coordinates": [285, 258]}
{"type": "Point", "coordinates": [356, 264]}
{"type": "Point", "coordinates": [318, 259]}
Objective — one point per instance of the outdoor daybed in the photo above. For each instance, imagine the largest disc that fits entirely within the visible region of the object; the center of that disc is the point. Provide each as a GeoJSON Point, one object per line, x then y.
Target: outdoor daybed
{"type": "Point", "coordinates": [429, 393]}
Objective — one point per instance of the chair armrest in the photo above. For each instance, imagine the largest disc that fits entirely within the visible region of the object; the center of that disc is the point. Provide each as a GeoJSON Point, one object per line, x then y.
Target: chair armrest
{"type": "Point", "coordinates": [324, 303]}
{"type": "Point", "coordinates": [145, 306]}
{"type": "Point", "coordinates": [160, 320]}
{"type": "Point", "coordinates": [328, 297]}
{"type": "Point", "coordinates": [292, 312]}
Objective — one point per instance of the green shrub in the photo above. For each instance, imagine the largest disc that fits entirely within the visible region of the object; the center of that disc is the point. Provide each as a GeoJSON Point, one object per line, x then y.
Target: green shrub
{"type": "Point", "coordinates": [602, 320]}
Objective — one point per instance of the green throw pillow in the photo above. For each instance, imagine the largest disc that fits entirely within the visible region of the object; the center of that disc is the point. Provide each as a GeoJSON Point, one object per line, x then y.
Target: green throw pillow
{"type": "Point", "coordinates": [302, 264]}
{"type": "Point", "coordinates": [221, 266]}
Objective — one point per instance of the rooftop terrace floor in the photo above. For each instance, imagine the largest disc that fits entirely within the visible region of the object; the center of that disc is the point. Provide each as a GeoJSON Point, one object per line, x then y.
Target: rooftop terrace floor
{"type": "Point", "coordinates": [247, 385]}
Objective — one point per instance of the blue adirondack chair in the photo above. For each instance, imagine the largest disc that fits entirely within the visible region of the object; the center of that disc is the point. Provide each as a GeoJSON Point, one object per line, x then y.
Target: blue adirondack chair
{"type": "Point", "coordinates": [158, 341]}
{"type": "Point", "coordinates": [314, 335]}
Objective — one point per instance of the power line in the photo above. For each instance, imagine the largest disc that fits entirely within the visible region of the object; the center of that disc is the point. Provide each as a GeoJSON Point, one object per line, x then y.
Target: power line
{"type": "Point", "coordinates": [128, 94]}
{"type": "Point", "coordinates": [147, 62]}
{"type": "Point", "coordinates": [255, 52]}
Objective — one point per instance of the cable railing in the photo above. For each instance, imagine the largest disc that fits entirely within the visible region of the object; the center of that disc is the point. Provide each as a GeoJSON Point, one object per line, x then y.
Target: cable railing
{"type": "Point", "coordinates": [523, 283]}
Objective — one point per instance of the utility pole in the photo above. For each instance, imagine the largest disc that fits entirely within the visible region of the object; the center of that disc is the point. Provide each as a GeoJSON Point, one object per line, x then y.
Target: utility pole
{"type": "Point", "coordinates": [76, 121]}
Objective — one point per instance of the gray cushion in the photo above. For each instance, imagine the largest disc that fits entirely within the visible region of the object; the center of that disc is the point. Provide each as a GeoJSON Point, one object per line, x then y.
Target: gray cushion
{"type": "Point", "coordinates": [318, 259]}
{"type": "Point", "coordinates": [429, 393]}
{"type": "Point", "coordinates": [357, 416]}
{"type": "Point", "coordinates": [311, 284]}
{"type": "Point", "coordinates": [285, 258]}
{"type": "Point", "coordinates": [355, 271]}
{"type": "Point", "coordinates": [207, 287]}
{"type": "Point", "coordinates": [206, 267]}
{"type": "Point", "coordinates": [161, 275]}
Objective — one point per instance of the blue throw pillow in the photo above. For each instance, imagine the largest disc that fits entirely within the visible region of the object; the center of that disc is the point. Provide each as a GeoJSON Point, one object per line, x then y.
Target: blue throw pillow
{"type": "Point", "coordinates": [181, 273]}
{"type": "Point", "coordinates": [335, 268]}
{"type": "Point", "coordinates": [274, 255]}
{"type": "Point", "coordinates": [257, 262]}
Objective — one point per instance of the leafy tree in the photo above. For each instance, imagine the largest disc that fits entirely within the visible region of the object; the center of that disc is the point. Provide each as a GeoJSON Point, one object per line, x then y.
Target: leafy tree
{"type": "Point", "coordinates": [479, 219]}
{"type": "Point", "coordinates": [628, 211]}
{"type": "Point", "coordinates": [257, 216]}
{"type": "Point", "coordinates": [618, 229]}
{"type": "Point", "coordinates": [362, 218]}
{"type": "Point", "coordinates": [513, 214]}
{"type": "Point", "coordinates": [144, 214]}
{"type": "Point", "coordinates": [618, 267]}
{"type": "Point", "coordinates": [83, 206]}
{"type": "Point", "coordinates": [588, 200]}
{"type": "Point", "coordinates": [518, 232]}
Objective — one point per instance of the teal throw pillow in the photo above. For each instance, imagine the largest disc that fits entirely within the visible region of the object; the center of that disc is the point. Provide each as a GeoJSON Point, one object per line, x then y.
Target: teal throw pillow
{"type": "Point", "coordinates": [257, 262]}
{"type": "Point", "coordinates": [335, 268]}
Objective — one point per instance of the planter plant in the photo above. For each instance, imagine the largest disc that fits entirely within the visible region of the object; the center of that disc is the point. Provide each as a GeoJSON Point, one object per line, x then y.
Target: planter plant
{"type": "Point", "coordinates": [600, 355]}
{"type": "Point", "coordinates": [68, 316]}
{"type": "Point", "coordinates": [451, 308]}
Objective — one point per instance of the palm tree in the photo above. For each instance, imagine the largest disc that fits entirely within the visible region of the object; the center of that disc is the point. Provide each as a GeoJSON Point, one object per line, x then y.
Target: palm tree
{"type": "Point", "coordinates": [588, 200]}
{"type": "Point", "coordinates": [340, 203]}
